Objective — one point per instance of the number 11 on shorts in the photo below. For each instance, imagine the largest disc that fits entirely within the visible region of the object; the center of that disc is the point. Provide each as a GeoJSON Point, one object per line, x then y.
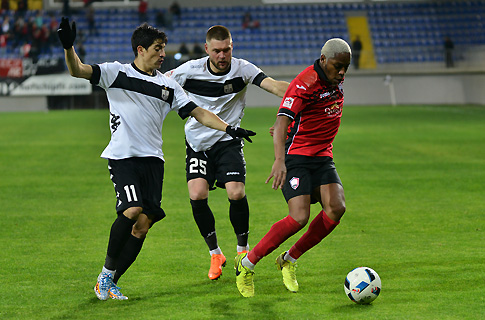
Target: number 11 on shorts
{"type": "Point", "coordinates": [130, 193]}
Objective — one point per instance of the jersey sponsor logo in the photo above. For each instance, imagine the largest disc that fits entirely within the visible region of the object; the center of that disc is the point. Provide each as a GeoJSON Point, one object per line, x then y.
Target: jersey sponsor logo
{"type": "Point", "coordinates": [233, 173]}
{"type": "Point", "coordinates": [228, 88]}
{"type": "Point", "coordinates": [300, 87]}
{"type": "Point", "coordinates": [288, 103]}
{"type": "Point", "coordinates": [333, 110]}
{"type": "Point", "coordinates": [294, 183]}
{"type": "Point", "coordinates": [115, 122]}
{"type": "Point", "coordinates": [326, 94]}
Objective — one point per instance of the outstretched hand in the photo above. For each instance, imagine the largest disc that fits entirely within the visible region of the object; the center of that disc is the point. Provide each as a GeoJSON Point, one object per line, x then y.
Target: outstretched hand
{"type": "Point", "coordinates": [67, 33]}
{"type": "Point", "coordinates": [237, 132]}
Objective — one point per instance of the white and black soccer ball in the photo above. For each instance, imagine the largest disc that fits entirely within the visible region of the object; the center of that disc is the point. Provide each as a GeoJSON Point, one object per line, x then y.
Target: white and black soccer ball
{"type": "Point", "coordinates": [362, 285]}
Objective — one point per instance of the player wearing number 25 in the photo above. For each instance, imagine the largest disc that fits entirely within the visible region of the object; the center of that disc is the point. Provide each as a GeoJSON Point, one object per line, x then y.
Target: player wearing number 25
{"type": "Point", "coordinates": [218, 83]}
{"type": "Point", "coordinates": [139, 99]}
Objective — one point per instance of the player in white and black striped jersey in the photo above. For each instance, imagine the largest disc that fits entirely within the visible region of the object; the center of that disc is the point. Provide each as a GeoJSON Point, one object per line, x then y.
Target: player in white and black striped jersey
{"type": "Point", "coordinates": [139, 99]}
{"type": "Point", "coordinates": [218, 83]}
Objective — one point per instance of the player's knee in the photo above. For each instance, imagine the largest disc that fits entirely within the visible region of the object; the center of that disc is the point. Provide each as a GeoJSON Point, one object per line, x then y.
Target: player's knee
{"type": "Point", "coordinates": [133, 213]}
{"type": "Point", "coordinates": [337, 210]}
{"type": "Point", "coordinates": [140, 228]}
{"type": "Point", "coordinates": [198, 193]}
{"type": "Point", "coordinates": [236, 194]}
{"type": "Point", "coordinates": [301, 220]}
{"type": "Point", "coordinates": [235, 190]}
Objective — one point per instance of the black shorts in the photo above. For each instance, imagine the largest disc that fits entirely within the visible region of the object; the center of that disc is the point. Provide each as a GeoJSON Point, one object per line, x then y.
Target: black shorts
{"type": "Point", "coordinates": [304, 174]}
{"type": "Point", "coordinates": [138, 182]}
{"type": "Point", "coordinates": [223, 163]}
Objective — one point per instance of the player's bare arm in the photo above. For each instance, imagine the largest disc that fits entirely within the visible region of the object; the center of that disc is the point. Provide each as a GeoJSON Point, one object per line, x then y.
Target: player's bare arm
{"type": "Point", "coordinates": [208, 119]}
{"type": "Point", "coordinates": [67, 35]}
{"type": "Point", "coordinates": [278, 171]}
{"type": "Point", "coordinates": [274, 86]}
{"type": "Point", "coordinates": [211, 120]}
{"type": "Point", "coordinates": [76, 67]}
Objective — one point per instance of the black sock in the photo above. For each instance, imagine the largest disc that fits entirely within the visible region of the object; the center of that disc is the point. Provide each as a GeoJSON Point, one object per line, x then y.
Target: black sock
{"type": "Point", "coordinates": [239, 216]}
{"type": "Point", "coordinates": [205, 221]}
{"type": "Point", "coordinates": [128, 256]}
{"type": "Point", "coordinates": [119, 234]}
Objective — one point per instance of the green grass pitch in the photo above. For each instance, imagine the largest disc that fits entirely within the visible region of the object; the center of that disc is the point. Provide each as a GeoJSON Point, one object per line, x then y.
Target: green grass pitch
{"type": "Point", "coordinates": [414, 178]}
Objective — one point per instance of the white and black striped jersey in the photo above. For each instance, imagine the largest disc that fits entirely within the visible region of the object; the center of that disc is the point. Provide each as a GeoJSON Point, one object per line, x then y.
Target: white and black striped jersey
{"type": "Point", "coordinates": [138, 104]}
{"type": "Point", "coordinates": [223, 93]}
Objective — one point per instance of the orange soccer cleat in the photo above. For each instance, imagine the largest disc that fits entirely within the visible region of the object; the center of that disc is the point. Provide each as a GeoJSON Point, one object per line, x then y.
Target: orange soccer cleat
{"type": "Point", "coordinates": [217, 262]}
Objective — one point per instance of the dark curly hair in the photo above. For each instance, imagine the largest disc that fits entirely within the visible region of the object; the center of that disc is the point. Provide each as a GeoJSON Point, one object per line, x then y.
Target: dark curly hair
{"type": "Point", "coordinates": [144, 35]}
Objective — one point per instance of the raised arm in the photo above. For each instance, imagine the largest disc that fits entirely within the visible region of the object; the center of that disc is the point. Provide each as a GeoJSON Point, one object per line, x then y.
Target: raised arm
{"type": "Point", "coordinates": [67, 35]}
{"type": "Point", "coordinates": [274, 86]}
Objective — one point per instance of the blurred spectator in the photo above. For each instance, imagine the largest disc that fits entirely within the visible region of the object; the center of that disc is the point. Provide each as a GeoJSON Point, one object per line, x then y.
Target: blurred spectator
{"type": "Point", "coordinates": [5, 5]}
{"type": "Point", "coordinates": [142, 11]}
{"type": "Point", "coordinates": [39, 18]}
{"type": "Point", "coordinates": [3, 45]}
{"type": "Point", "coordinates": [248, 22]}
{"type": "Point", "coordinates": [25, 50]}
{"type": "Point", "coordinates": [183, 49]}
{"type": "Point", "coordinates": [449, 46]}
{"type": "Point", "coordinates": [165, 19]}
{"type": "Point", "coordinates": [160, 19]}
{"type": "Point", "coordinates": [356, 50]}
{"type": "Point", "coordinates": [53, 24]}
{"type": "Point", "coordinates": [175, 9]}
{"type": "Point", "coordinates": [93, 30]}
{"type": "Point", "coordinates": [6, 27]}
{"type": "Point", "coordinates": [197, 51]}
{"type": "Point", "coordinates": [22, 7]}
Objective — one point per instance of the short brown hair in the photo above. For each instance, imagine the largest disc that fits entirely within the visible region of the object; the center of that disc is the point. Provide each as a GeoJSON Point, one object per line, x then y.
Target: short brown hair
{"type": "Point", "coordinates": [218, 33]}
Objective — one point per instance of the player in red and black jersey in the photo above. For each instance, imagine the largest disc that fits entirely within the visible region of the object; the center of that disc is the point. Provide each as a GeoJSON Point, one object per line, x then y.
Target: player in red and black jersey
{"type": "Point", "coordinates": [307, 123]}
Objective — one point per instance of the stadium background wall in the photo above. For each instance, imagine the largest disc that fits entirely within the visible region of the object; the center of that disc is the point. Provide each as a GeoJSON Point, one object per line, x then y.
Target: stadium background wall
{"type": "Point", "coordinates": [400, 83]}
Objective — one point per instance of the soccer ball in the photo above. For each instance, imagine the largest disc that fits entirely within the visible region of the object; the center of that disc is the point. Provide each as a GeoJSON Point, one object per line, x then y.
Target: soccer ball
{"type": "Point", "coordinates": [362, 285]}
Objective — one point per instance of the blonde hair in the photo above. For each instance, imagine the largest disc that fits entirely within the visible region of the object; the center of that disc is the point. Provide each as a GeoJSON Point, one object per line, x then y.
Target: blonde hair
{"type": "Point", "coordinates": [335, 46]}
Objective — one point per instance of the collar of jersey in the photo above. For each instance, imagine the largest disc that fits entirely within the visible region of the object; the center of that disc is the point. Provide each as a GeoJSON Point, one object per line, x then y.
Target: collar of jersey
{"type": "Point", "coordinates": [319, 70]}
{"type": "Point", "coordinates": [219, 73]}
{"type": "Point", "coordinates": [141, 71]}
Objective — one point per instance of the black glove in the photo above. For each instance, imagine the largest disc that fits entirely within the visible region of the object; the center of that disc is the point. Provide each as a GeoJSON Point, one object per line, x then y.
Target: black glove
{"type": "Point", "coordinates": [66, 33]}
{"type": "Point", "coordinates": [237, 132]}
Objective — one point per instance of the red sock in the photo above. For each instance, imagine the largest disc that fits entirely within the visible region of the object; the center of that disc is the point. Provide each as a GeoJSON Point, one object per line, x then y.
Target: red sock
{"type": "Point", "coordinates": [279, 232]}
{"type": "Point", "coordinates": [319, 228]}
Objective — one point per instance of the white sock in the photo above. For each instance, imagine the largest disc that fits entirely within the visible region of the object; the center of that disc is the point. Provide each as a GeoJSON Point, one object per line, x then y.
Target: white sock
{"type": "Point", "coordinates": [112, 272]}
{"type": "Point", "coordinates": [248, 264]}
{"type": "Point", "coordinates": [241, 248]}
{"type": "Point", "coordinates": [216, 251]}
{"type": "Point", "coordinates": [289, 258]}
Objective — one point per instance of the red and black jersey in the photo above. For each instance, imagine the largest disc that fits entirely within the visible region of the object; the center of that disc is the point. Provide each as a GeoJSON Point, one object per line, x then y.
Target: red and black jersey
{"type": "Point", "coordinates": [315, 106]}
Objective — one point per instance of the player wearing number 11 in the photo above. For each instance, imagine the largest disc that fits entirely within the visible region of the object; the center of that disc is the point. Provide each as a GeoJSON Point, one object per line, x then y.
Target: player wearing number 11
{"type": "Point", "coordinates": [139, 99]}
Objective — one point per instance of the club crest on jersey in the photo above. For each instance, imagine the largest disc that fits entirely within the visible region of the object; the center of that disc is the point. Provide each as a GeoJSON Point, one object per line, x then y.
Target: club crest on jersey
{"type": "Point", "coordinates": [288, 102]}
{"type": "Point", "coordinates": [165, 94]}
{"type": "Point", "coordinates": [228, 88]}
{"type": "Point", "coordinates": [294, 183]}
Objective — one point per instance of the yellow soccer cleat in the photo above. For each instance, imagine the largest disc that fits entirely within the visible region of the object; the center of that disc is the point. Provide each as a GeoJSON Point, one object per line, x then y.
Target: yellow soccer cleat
{"type": "Point", "coordinates": [244, 277]}
{"type": "Point", "coordinates": [288, 270]}
{"type": "Point", "coordinates": [217, 262]}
